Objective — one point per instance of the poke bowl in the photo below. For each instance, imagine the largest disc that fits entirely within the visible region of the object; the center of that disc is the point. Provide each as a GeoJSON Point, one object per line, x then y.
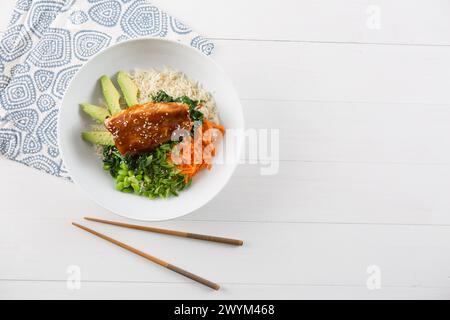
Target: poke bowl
{"type": "Point", "coordinates": [147, 128]}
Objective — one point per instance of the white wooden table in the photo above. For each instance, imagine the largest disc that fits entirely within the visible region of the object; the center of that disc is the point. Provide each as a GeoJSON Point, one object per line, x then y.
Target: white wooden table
{"type": "Point", "coordinates": [363, 108]}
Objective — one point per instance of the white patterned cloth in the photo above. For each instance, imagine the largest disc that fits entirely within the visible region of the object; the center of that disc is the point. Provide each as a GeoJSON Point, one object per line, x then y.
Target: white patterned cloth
{"type": "Point", "coordinates": [46, 42]}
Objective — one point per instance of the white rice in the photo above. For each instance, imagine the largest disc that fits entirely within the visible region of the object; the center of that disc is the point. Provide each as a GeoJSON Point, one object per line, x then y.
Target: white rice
{"type": "Point", "coordinates": [175, 84]}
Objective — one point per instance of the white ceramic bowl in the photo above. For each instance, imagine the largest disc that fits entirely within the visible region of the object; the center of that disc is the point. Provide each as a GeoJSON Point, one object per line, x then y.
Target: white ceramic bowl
{"type": "Point", "coordinates": [85, 167]}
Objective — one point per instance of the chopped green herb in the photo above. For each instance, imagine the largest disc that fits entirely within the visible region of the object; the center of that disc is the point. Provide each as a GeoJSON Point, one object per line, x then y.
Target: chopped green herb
{"type": "Point", "coordinates": [150, 175]}
{"type": "Point", "coordinates": [161, 96]}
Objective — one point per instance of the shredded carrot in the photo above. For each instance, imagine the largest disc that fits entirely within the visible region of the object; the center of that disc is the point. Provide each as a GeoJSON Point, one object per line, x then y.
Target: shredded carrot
{"type": "Point", "coordinates": [189, 167]}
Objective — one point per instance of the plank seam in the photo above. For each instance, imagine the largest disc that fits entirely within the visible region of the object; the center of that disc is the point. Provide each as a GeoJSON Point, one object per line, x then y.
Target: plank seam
{"type": "Point", "coordinates": [331, 42]}
{"type": "Point", "coordinates": [324, 223]}
{"type": "Point", "coordinates": [227, 283]}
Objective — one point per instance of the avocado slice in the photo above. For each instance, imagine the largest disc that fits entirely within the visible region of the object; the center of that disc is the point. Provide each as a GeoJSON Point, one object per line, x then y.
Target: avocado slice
{"type": "Point", "coordinates": [128, 87]}
{"type": "Point", "coordinates": [111, 95]}
{"type": "Point", "coordinates": [97, 113]}
{"type": "Point", "coordinates": [103, 138]}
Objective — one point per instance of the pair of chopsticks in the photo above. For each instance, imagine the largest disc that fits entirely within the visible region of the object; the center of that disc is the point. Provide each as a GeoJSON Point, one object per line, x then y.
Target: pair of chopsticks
{"type": "Point", "coordinates": [154, 259]}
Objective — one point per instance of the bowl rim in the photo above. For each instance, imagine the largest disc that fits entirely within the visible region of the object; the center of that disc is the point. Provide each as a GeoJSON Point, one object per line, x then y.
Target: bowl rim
{"type": "Point", "coordinates": [239, 141]}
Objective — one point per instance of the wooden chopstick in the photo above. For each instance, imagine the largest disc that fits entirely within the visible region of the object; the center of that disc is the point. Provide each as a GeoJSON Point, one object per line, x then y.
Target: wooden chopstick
{"type": "Point", "coordinates": [156, 260]}
{"type": "Point", "coordinates": [170, 232]}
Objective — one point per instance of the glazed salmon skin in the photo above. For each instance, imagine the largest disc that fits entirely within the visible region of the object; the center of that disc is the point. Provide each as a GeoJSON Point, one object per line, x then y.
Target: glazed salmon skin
{"type": "Point", "coordinates": [142, 128]}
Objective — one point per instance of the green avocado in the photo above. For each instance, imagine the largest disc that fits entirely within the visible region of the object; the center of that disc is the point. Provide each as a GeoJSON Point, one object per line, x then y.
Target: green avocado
{"type": "Point", "coordinates": [128, 87]}
{"type": "Point", "coordinates": [111, 95]}
{"type": "Point", "coordinates": [103, 138]}
{"type": "Point", "coordinates": [97, 113]}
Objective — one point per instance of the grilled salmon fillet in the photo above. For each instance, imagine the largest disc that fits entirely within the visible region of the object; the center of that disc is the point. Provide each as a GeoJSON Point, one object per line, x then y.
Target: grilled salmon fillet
{"type": "Point", "coordinates": [142, 128]}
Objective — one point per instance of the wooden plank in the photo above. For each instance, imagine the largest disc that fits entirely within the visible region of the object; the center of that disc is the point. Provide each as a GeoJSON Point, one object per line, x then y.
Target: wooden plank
{"type": "Point", "coordinates": [325, 21]}
{"type": "Point", "coordinates": [300, 192]}
{"type": "Point", "coordinates": [43, 247]}
{"type": "Point", "coordinates": [400, 21]}
{"type": "Point", "coordinates": [126, 290]}
{"type": "Point", "coordinates": [335, 192]}
{"type": "Point", "coordinates": [337, 72]}
{"type": "Point", "coordinates": [354, 132]}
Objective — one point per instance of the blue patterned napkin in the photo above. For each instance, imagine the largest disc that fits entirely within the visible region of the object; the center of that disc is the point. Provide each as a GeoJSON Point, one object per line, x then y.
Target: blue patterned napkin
{"type": "Point", "coordinates": [45, 44]}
